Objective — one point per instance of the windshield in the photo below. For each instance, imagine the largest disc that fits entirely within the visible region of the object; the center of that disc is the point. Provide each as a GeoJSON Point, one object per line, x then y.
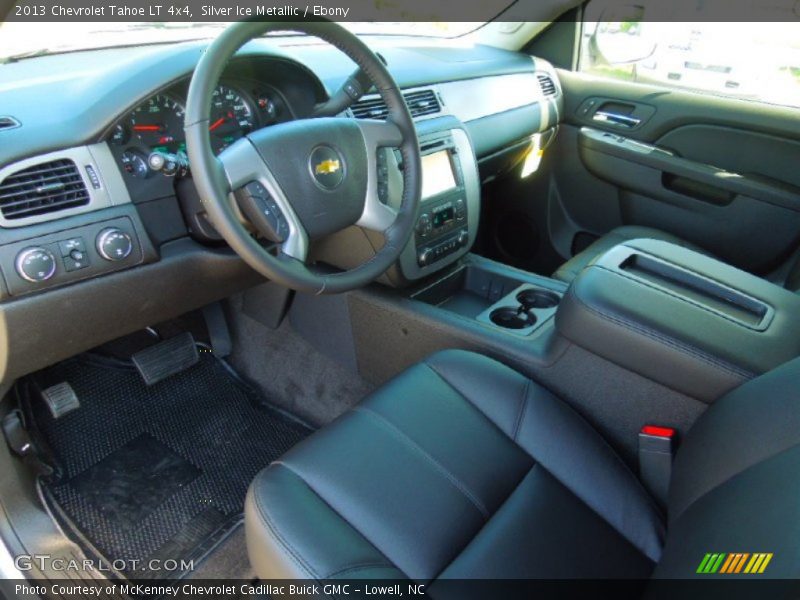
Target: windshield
{"type": "Point", "coordinates": [20, 39]}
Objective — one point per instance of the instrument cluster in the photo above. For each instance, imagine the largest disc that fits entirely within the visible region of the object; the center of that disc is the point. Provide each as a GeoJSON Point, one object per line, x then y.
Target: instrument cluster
{"type": "Point", "coordinates": [154, 129]}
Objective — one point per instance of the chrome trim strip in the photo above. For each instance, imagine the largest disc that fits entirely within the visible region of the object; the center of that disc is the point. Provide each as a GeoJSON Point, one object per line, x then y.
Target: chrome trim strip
{"type": "Point", "coordinates": [472, 99]}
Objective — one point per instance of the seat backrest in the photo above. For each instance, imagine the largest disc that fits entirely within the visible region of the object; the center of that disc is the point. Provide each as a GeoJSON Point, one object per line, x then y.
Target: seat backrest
{"type": "Point", "coordinates": [736, 480]}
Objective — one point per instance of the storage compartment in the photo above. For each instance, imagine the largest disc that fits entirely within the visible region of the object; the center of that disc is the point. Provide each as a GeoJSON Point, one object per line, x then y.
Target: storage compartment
{"type": "Point", "coordinates": [468, 291]}
{"type": "Point", "coordinates": [493, 294]}
{"type": "Point", "coordinates": [680, 318]}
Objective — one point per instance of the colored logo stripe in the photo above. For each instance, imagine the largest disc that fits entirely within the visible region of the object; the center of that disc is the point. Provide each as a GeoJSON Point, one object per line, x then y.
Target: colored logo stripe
{"type": "Point", "coordinates": [758, 563]}
{"type": "Point", "coordinates": [734, 562]}
{"type": "Point", "coordinates": [710, 563]}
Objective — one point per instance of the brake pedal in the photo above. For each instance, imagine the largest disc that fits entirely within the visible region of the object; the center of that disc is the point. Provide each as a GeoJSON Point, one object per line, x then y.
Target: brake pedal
{"type": "Point", "coordinates": [166, 358]}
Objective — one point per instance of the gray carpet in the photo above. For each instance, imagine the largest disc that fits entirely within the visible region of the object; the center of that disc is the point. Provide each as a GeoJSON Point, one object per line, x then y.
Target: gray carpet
{"type": "Point", "coordinates": [291, 372]}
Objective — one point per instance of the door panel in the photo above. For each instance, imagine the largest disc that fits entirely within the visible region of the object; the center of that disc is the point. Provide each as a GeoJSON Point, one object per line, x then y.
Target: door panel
{"type": "Point", "coordinates": [718, 172]}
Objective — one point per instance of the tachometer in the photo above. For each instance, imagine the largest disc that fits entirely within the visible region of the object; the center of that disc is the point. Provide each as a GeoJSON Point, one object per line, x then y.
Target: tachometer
{"type": "Point", "coordinates": [158, 123]}
{"type": "Point", "coordinates": [231, 117]}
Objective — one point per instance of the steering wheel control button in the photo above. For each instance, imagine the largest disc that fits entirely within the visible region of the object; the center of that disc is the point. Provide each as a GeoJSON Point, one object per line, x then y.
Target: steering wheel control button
{"type": "Point", "coordinates": [114, 244]}
{"type": "Point", "coordinates": [66, 247]}
{"type": "Point", "coordinates": [36, 264]}
{"type": "Point", "coordinates": [327, 167]}
{"type": "Point", "coordinates": [263, 212]}
{"type": "Point", "coordinates": [383, 176]}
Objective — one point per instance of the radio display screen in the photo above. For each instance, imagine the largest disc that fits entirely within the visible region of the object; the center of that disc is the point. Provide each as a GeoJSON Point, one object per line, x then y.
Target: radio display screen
{"type": "Point", "coordinates": [437, 173]}
{"type": "Point", "coordinates": [442, 217]}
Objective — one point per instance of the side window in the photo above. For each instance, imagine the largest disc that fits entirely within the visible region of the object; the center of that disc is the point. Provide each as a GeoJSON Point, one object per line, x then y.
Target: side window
{"type": "Point", "coordinates": [749, 60]}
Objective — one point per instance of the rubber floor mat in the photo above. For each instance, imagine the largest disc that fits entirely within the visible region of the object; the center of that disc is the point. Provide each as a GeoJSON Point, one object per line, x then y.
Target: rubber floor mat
{"type": "Point", "coordinates": [146, 471]}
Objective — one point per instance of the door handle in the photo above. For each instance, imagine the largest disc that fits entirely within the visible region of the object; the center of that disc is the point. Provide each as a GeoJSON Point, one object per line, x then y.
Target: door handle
{"type": "Point", "coordinates": [617, 119]}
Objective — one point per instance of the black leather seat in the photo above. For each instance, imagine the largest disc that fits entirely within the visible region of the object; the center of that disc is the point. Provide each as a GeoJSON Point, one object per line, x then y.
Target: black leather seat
{"type": "Point", "coordinates": [462, 468]}
{"type": "Point", "coordinates": [570, 269]}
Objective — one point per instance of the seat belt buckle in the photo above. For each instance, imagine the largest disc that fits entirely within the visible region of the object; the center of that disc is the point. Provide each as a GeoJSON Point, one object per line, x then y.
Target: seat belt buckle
{"type": "Point", "coordinates": [656, 449]}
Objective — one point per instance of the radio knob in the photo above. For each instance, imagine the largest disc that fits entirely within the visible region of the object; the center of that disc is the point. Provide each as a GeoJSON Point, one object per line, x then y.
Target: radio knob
{"type": "Point", "coordinates": [463, 238]}
{"type": "Point", "coordinates": [36, 264]}
{"type": "Point", "coordinates": [114, 244]}
{"type": "Point", "coordinates": [424, 257]}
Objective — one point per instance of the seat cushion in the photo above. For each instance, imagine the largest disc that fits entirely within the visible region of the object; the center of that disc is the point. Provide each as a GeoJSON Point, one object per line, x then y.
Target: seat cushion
{"type": "Point", "coordinates": [459, 467]}
{"type": "Point", "coordinates": [570, 269]}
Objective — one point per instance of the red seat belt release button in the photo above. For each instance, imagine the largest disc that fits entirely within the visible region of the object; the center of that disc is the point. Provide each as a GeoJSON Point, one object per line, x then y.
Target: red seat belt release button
{"type": "Point", "coordinates": [656, 449]}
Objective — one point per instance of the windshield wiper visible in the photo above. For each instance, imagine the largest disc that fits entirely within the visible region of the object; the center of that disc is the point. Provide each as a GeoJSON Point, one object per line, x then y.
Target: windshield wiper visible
{"type": "Point", "coordinates": [29, 54]}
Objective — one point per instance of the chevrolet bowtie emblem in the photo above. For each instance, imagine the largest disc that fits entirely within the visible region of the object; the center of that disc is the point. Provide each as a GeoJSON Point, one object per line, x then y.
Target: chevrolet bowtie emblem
{"type": "Point", "coordinates": [327, 167]}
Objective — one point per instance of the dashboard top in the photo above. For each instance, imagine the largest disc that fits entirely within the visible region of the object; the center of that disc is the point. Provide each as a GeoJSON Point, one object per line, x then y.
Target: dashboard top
{"type": "Point", "coordinates": [94, 89]}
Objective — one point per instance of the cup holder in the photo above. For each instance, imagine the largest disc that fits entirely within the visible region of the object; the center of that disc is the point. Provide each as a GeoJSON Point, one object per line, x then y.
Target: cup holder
{"type": "Point", "coordinates": [535, 298]}
{"type": "Point", "coordinates": [510, 317]}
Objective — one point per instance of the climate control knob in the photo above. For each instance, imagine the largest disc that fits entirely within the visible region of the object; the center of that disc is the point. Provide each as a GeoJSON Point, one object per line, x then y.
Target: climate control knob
{"type": "Point", "coordinates": [36, 264]}
{"type": "Point", "coordinates": [424, 257]}
{"type": "Point", "coordinates": [114, 244]}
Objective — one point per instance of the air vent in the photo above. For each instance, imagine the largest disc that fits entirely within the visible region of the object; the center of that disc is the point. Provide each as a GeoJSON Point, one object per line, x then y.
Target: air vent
{"type": "Point", "coordinates": [373, 108]}
{"type": "Point", "coordinates": [420, 103]}
{"type": "Point", "coordinates": [423, 102]}
{"type": "Point", "coordinates": [547, 84]}
{"type": "Point", "coordinates": [8, 123]}
{"type": "Point", "coordinates": [41, 189]}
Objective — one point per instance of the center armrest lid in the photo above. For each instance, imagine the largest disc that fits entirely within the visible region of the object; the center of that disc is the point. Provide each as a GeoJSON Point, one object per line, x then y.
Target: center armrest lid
{"type": "Point", "coordinates": [681, 318]}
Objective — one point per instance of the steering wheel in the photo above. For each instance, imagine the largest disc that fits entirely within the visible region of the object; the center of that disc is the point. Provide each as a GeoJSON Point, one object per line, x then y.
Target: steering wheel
{"type": "Point", "coordinates": [305, 179]}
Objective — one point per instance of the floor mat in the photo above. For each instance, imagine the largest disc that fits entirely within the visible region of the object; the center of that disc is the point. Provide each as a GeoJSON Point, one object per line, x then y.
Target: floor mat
{"type": "Point", "coordinates": [154, 471]}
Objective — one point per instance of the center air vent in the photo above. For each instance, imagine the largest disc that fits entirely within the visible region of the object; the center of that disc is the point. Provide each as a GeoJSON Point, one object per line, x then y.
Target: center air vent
{"type": "Point", "coordinates": [420, 103]}
{"type": "Point", "coordinates": [547, 84]}
{"type": "Point", "coordinates": [423, 102]}
{"type": "Point", "coordinates": [44, 188]}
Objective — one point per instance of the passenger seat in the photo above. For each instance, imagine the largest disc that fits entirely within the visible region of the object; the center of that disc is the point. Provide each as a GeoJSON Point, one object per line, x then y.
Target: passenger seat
{"type": "Point", "coordinates": [461, 468]}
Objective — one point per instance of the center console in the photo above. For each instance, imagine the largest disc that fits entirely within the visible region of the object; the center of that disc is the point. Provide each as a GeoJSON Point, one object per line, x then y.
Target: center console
{"type": "Point", "coordinates": [680, 318]}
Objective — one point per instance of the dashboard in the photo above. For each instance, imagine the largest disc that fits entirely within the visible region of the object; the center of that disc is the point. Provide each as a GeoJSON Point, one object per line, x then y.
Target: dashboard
{"type": "Point", "coordinates": [117, 243]}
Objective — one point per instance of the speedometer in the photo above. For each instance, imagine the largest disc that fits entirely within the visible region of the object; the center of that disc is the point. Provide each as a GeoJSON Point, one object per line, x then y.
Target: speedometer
{"type": "Point", "coordinates": [231, 117]}
{"type": "Point", "coordinates": [158, 123]}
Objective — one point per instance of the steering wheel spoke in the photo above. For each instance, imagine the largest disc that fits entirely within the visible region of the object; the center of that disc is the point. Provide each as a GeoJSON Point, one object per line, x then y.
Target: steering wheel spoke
{"type": "Point", "coordinates": [377, 215]}
{"type": "Point", "coordinates": [258, 199]}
